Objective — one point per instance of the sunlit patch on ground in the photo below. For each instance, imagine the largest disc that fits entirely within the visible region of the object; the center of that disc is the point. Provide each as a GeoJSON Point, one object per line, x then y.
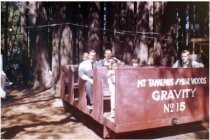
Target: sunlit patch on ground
{"type": "Point", "coordinates": [27, 115]}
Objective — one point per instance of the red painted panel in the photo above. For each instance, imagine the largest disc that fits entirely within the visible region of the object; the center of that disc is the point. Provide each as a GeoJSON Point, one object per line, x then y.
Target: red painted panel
{"type": "Point", "coordinates": [145, 95]}
{"type": "Point", "coordinates": [100, 78]}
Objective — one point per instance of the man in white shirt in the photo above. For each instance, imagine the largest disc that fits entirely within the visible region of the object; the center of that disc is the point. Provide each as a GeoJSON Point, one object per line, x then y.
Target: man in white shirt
{"type": "Point", "coordinates": [86, 73]}
{"type": "Point", "coordinates": [107, 56]}
{"type": "Point", "coordinates": [186, 61]}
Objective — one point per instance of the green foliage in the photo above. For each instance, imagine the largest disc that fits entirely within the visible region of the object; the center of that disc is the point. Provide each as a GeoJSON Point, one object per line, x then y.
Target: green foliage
{"type": "Point", "coordinates": [10, 29]}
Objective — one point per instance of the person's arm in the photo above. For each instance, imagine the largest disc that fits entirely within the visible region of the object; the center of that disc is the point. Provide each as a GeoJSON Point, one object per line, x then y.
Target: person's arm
{"type": "Point", "coordinates": [119, 61]}
{"type": "Point", "coordinates": [82, 74]}
{"type": "Point", "coordinates": [197, 64]}
{"type": "Point", "coordinates": [100, 62]}
{"type": "Point", "coordinates": [111, 76]}
{"type": "Point", "coordinates": [110, 73]}
{"type": "Point", "coordinates": [175, 65]}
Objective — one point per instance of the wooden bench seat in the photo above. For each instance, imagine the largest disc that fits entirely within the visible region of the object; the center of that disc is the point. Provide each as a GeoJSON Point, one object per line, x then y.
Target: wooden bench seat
{"type": "Point", "coordinates": [76, 85]}
{"type": "Point", "coordinates": [106, 94]}
{"type": "Point", "coordinates": [73, 90]}
{"type": "Point", "coordinates": [103, 76]}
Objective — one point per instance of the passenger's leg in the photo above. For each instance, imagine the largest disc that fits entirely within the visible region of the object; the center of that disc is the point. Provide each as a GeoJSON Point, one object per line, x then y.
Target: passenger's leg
{"type": "Point", "coordinates": [112, 102]}
{"type": "Point", "coordinates": [89, 91]}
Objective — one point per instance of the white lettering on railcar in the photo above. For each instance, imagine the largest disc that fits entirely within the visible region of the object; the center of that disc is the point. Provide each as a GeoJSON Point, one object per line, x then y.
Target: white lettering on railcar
{"type": "Point", "coordinates": [182, 81]}
{"type": "Point", "coordinates": [175, 97]}
{"type": "Point", "coordinates": [160, 82]}
{"type": "Point", "coordinates": [171, 82]}
{"type": "Point", "coordinates": [172, 94]}
{"type": "Point", "coordinates": [196, 81]}
{"type": "Point", "coordinates": [141, 83]}
{"type": "Point", "coordinates": [174, 107]}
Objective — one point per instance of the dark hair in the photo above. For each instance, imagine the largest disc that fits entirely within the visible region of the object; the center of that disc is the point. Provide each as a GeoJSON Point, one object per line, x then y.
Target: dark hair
{"type": "Point", "coordinates": [135, 60]}
{"type": "Point", "coordinates": [92, 51]}
{"type": "Point", "coordinates": [186, 51]}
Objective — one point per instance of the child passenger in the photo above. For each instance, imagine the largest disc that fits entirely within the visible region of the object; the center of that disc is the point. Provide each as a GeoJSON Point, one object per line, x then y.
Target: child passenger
{"type": "Point", "coordinates": [135, 62]}
{"type": "Point", "coordinates": [112, 66]}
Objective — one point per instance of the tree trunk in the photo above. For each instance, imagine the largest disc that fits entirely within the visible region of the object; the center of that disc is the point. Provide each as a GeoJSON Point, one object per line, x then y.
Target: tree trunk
{"type": "Point", "coordinates": [41, 69]}
{"type": "Point", "coordinates": [116, 47]}
{"type": "Point", "coordinates": [94, 25]}
{"type": "Point", "coordinates": [6, 37]}
{"type": "Point", "coordinates": [25, 52]}
{"type": "Point", "coordinates": [48, 53]}
{"type": "Point", "coordinates": [142, 26]}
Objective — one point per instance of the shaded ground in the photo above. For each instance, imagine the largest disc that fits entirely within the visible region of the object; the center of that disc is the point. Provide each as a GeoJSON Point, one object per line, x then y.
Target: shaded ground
{"type": "Point", "coordinates": [40, 115]}
{"type": "Point", "coordinates": [26, 114]}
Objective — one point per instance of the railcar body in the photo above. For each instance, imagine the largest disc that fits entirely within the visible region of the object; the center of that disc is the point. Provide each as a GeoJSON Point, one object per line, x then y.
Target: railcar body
{"type": "Point", "coordinates": [146, 97]}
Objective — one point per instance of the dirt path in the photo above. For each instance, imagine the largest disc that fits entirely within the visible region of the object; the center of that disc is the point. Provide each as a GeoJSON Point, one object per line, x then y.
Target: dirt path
{"type": "Point", "coordinates": [28, 114]}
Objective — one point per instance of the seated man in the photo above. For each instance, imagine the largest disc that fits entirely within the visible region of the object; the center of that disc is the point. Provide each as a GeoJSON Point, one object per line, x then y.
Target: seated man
{"type": "Point", "coordinates": [186, 62]}
{"type": "Point", "coordinates": [86, 73]}
{"type": "Point", "coordinates": [107, 56]}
